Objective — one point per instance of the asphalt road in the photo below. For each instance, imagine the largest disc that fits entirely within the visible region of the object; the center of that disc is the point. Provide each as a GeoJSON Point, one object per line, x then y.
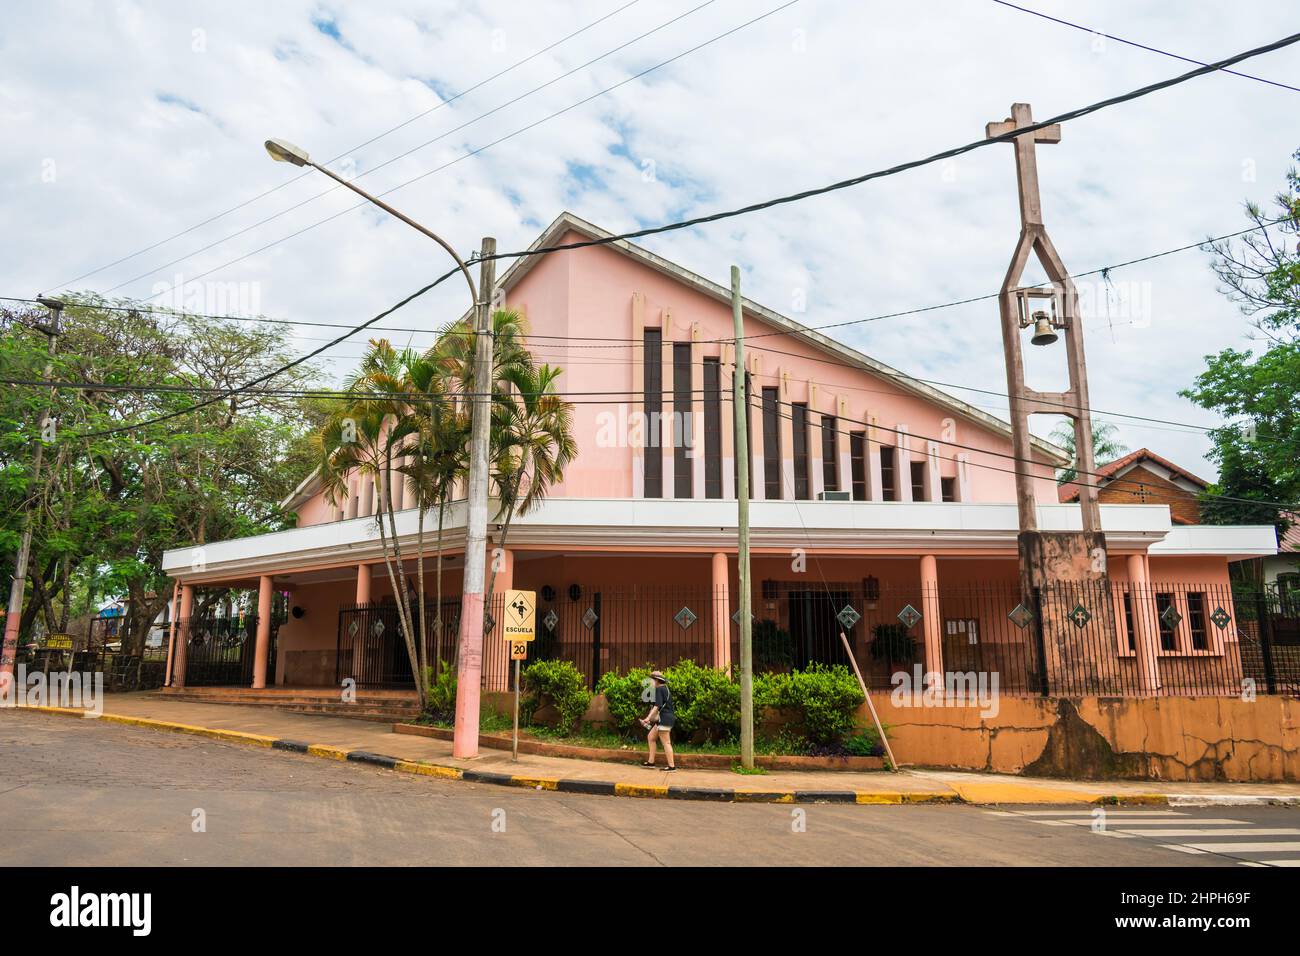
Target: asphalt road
{"type": "Point", "coordinates": [80, 792]}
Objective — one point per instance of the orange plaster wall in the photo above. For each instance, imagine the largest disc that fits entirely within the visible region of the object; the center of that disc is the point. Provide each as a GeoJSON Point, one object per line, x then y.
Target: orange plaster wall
{"type": "Point", "coordinates": [1165, 738]}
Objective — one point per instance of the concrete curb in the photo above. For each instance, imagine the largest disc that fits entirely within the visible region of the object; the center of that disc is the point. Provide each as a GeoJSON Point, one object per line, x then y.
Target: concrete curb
{"type": "Point", "coordinates": [980, 794]}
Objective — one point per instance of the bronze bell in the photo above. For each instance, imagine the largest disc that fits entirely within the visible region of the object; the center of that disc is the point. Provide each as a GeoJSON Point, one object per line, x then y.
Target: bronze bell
{"type": "Point", "coordinates": [1044, 334]}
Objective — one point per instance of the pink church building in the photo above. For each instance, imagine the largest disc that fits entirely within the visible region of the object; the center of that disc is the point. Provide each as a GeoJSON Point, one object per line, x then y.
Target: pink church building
{"type": "Point", "coordinates": [883, 508]}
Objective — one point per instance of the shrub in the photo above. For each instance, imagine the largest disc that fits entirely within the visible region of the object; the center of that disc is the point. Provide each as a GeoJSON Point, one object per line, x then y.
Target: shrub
{"type": "Point", "coordinates": [892, 642]}
{"type": "Point", "coordinates": [560, 683]}
{"type": "Point", "coordinates": [627, 698]}
{"type": "Point", "coordinates": [823, 696]}
{"type": "Point", "coordinates": [441, 702]}
{"type": "Point", "coordinates": [773, 650]}
{"type": "Point", "coordinates": [706, 700]}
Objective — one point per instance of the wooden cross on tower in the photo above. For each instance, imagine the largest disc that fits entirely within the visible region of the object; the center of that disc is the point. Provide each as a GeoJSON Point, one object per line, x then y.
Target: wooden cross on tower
{"type": "Point", "coordinates": [1031, 209]}
{"type": "Point", "coordinates": [1017, 311]}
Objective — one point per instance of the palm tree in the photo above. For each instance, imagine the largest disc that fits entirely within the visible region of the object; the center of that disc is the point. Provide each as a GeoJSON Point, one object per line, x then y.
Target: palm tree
{"type": "Point", "coordinates": [436, 459]}
{"type": "Point", "coordinates": [1106, 447]}
{"type": "Point", "coordinates": [532, 443]}
{"type": "Point", "coordinates": [366, 434]}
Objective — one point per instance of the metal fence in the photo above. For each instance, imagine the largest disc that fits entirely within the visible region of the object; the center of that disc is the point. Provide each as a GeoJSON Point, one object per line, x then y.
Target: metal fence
{"type": "Point", "coordinates": [219, 652]}
{"type": "Point", "coordinates": [1071, 639]}
{"type": "Point", "coordinates": [372, 650]}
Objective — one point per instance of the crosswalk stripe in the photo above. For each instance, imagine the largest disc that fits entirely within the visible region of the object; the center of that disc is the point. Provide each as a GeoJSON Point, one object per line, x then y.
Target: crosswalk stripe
{"type": "Point", "coordinates": [1181, 848]}
{"type": "Point", "coordinates": [1287, 846]}
{"type": "Point", "coordinates": [1109, 813]}
{"type": "Point", "coordinates": [1131, 822]}
{"type": "Point", "coordinates": [1284, 862]}
{"type": "Point", "coordinates": [1234, 831]}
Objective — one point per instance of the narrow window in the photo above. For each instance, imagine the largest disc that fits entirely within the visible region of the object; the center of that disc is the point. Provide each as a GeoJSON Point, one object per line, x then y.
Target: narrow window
{"type": "Point", "coordinates": [830, 455]}
{"type": "Point", "coordinates": [918, 480]}
{"type": "Point", "coordinates": [887, 491]}
{"type": "Point", "coordinates": [653, 362]}
{"type": "Point", "coordinates": [858, 464]}
{"type": "Point", "coordinates": [1128, 621]}
{"type": "Point", "coordinates": [799, 423]}
{"type": "Point", "coordinates": [948, 489]}
{"type": "Point", "coordinates": [1196, 620]}
{"type": "Point", "coordinates": [1168, 636]}
{"type": "Point", "coordinates": [683, 406]}
{"type": "Point", "coordinates": [712, 428]}
{"type": "Point", "coordinates": [749, 440]}
{"type": "Point", "coordinates": [771, 445]}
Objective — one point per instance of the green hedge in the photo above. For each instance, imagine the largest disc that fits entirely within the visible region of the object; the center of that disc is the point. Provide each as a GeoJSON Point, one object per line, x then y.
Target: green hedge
{"type": "Point", "coordinates": [560, 683]}
{"type": "Point", "coordinates": [822, 699]}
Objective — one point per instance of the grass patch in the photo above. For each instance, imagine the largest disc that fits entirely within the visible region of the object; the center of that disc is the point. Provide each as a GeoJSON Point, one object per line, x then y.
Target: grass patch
{"type": "Point", "coordinates": [748, 771]}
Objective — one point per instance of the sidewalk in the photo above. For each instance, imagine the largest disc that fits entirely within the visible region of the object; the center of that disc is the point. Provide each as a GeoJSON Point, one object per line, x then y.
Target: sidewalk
{"type": "Point", "coordinates": [342, 738]}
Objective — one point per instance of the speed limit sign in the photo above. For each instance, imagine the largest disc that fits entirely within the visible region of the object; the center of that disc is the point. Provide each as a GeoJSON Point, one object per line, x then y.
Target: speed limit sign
{"type": "Point", "coordinates": [519, 650]}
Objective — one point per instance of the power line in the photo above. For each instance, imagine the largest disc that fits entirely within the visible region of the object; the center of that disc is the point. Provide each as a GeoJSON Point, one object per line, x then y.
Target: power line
{"type": "Point", "coordinates": [591, 398]}
{"type": "Point", "coordinates": [1141, 46]}
{"type": "Point", "coordinates": [617, 341]}
{"type": "Point", "coordinates": [429, 142]}
{"type": "Point", "coordinates": [1008, 137]}
{"type": "Point", "coordinates": [458, 159]}
{"type": "Point", "coordinates": [1286, 506]}
{"type": "Point", "coordinates": [373, 139]}
{"type": "Point", "coordinates": [917, 163]}
{"type": "Point", "coordinates": [229, 393]}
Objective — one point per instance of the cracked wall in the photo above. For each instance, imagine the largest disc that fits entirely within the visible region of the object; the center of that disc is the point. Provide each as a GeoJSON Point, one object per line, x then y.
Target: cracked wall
{"type": "Point", "coordinates": [1099, 738]}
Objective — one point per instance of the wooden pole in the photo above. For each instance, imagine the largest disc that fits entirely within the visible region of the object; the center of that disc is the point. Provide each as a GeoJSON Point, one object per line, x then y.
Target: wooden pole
{"type": "Point", "coordinates": [875, 718]}
{"type": "Point", "coordinates": [742, 532]}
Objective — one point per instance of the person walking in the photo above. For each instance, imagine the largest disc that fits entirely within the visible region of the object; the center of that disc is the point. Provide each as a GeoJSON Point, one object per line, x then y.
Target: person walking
{"type": "Point", "coordinates": [659, 722]}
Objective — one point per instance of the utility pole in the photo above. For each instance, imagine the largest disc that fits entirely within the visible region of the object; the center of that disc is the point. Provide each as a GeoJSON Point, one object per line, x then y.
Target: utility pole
{"type": "Point", "coordinates": [469, 658]}
{"type": "Point", "coordinates": [746, 618]}
{"type": "Point", "coordinates": [9, 649]}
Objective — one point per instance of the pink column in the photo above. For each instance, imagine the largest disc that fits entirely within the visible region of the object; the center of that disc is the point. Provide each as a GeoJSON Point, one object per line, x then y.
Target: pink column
{"type": "Point", "coordinates": [721, 612]}
{"type": "Point", "coordinates": [262, 649]}
{"type": "Point", "coordinates": [363, 584]}
{"type": "Point", "coordinates": [1147, 639]}
{"type": "Point", "coordinates": [171, 633]}
{"type": "Point", "coordinates": [930, 623]}
{"type": "Point", "coordinates": [183, 633]}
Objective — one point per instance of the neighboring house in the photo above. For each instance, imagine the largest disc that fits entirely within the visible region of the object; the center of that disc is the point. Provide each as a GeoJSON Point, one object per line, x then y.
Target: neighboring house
{"type": "Point", "coordinates": [1282, 571]}
{"type": "Point", "coordinates": [872, 491]}
{"type": "Point", "coordinates": [1143, 477]}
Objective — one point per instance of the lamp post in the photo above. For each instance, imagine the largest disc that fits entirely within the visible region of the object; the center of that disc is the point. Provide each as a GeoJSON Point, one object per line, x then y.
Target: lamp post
{"type": "Point", "coordinates": [469, 664]}
{"type": "Point", "coordinates": [9, 647]}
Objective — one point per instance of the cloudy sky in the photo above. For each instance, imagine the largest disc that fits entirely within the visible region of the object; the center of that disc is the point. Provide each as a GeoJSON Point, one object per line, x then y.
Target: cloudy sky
{"type": "Point", "coordinates": [133, 132]}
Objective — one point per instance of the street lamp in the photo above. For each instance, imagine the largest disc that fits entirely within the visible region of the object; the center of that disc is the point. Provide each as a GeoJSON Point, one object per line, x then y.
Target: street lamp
{"type": "Point", "coordinates": [283, 151]}
{"type": "Point", "coordinates": [469, 665]}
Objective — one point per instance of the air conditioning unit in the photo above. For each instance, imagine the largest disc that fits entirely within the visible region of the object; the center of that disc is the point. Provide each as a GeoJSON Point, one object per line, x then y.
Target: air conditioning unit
{"type": "Point", "coordinates": [834, 496]}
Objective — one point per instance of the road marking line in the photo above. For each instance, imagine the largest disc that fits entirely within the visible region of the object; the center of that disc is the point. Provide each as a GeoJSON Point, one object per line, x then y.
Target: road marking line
{"type": "Point", "coordinates": [1286, 846]}
{"type": "Point", "coordinates": [1109, 813]}
{"type": "Point", "coordinates": [1180, 822]}
{"type": "Point", "coordinates": [1295, 862]}
{"type": "Point", "coordinates": [1245, 831]}
{"type": "Point", "coordinates": [1181, 848]}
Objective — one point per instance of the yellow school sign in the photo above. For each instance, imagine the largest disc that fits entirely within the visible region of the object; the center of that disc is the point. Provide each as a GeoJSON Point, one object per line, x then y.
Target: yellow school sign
{"type": "Point", "coordinates": [521, 616]}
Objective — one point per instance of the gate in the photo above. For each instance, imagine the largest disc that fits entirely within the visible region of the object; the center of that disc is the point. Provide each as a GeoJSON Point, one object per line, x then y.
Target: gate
{"type": "Point", "coordinates": [219, 652]}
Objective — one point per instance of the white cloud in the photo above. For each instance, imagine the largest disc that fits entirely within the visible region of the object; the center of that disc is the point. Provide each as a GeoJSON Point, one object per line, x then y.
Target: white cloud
{"type": "Point", "coordinates": [153, 118]}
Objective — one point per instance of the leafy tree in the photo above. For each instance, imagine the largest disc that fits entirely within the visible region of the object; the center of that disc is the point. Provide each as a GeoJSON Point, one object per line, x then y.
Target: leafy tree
{"type": "Point", "coordinates": [109, 502]}
{"type": "Point", "coordinates": [1257, 451]}
{"type": "Point", "coordinates": [1106, 447]}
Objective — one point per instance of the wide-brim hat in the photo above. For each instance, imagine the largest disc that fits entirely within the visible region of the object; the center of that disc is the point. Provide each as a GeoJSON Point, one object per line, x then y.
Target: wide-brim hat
{"type": "Point", "coordinates": [659, 676]}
